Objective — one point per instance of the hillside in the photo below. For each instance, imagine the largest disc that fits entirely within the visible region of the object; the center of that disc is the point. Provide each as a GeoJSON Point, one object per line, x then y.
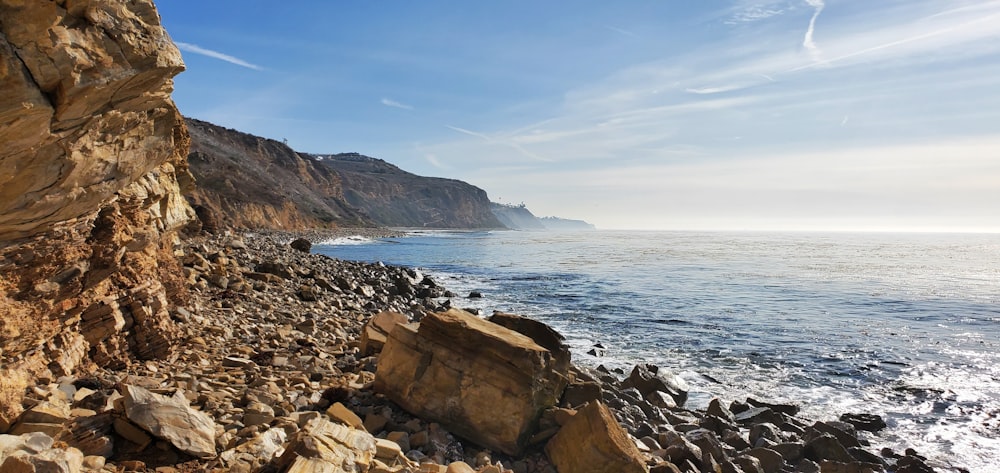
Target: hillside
{"type": "Point", "coordinates": [245, 181]}
{"type": "Point", "coordinates": [396, 198]}
{"type": "Point", "coordinates": [518, 217]}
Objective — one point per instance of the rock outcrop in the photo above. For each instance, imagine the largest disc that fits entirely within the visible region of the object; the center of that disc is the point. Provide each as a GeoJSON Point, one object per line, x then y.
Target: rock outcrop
{"type": "Point", "coordinates": [480, 380]}
{"type": "Point", "coordinates": [91, 168]}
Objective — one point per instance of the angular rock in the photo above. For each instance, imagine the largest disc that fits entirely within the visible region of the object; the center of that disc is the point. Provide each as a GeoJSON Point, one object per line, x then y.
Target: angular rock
{"type": "Point", "coordinates": [592, 441]}
{"type": "Point", "coordinates": [34, 453]}
{"type": "Point", "coordinates": [648, 378]}
{"type": "Point", "coordinates": [376, 331]}
{"type": "Point", "coordinates": [325, 446]}
{"type": "Point", "coordinates": [480, 380]}
{"type": "Point", "coordinates": [342, 414]}
{"type": "Point", "coordinates": [868, 422]}
{"type": "Point", "coordinates": [171, 419]}
{"type": "Point", "coordinates": [826, 447]}
{"type": "Point", "coordinates": [252, 455]}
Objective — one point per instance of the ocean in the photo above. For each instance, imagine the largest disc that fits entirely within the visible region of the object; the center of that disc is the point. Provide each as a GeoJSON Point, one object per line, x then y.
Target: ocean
{"type": "Point", "coordinates": [906, 326]}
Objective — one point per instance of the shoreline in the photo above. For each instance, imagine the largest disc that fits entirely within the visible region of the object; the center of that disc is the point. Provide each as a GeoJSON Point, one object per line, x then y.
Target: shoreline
{"type": "Point", "coordinates": [271, 338]}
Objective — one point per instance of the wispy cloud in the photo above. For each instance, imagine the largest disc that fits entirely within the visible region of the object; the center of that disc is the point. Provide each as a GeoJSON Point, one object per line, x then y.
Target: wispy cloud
{"type": "Point", "coordinates": [194, 48]}
{"type": "Point", "coordinates": [503, 141]}
{"type": "Point", "coordinates": [392, 103]}
{"type": "Point", "coordinates": [808, 42]}
{"type": "Point", "coordinates": [433, 159]}
{"type": "Point", "coordinates": [621, 31]}
{"type": "Point", "coordinates": [714, 90]}
{"type": "Point", "coordinates": [753, 13]}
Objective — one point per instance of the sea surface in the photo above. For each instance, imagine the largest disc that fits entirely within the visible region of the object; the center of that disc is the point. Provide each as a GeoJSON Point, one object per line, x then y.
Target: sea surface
{"type": "Point", "coordinates": [902, 325]}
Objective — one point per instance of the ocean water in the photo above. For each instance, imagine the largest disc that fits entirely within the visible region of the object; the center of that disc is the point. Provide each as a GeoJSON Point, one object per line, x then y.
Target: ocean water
{"type": "Point", "coordinates": [902, 325]}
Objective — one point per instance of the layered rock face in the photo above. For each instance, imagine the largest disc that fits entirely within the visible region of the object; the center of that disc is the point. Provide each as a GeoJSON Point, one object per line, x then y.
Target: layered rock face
{"type": "Point", "coordinates": [91, 155]}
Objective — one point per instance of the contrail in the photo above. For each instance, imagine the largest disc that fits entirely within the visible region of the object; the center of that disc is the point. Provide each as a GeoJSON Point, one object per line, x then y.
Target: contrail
{"type": "Point", "coordinates": [808, 42]}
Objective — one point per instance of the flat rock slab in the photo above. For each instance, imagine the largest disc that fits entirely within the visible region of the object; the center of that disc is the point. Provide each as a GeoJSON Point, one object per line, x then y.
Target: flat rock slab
{"type": "Point", "coordinates": [171, 419]}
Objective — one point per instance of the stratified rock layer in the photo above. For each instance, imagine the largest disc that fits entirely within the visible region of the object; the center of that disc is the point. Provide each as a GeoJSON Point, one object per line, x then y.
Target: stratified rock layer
{"type": "Point", "coordinates": [91, 155]}
{"type": "Point", "coordinates": [481, 380]}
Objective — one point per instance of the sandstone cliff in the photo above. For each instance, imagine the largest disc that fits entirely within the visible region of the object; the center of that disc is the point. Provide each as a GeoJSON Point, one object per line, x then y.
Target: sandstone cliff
{"type": "Point", "coordinates": [396, 198]}
{"type": "Point", "coordinates": [91, 154]}
{"type": "Point", "coordinates": [249, 182]}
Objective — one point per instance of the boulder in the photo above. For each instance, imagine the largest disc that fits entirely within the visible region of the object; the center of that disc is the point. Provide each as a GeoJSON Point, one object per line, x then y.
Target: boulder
{"type": "Point", "coordinates": [326, 446]}
{"type": "Point", "coordinates": [648, 378]}
{"type": "Point", "coordinates": [171, 419]}
{"type": "Point", "coordinates": [35, 452]}
{"type": "Point", "coordinates": [301, 244]}
{"type": "Point", "coordinates": [480, 380]}
{"type": "Point", "coordinates": [593, 442]}
{"type": "Point", "coordinates": [376, 331]}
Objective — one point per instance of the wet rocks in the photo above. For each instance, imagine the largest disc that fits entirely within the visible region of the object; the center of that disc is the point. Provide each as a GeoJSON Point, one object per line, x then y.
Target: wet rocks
{"type": "Point", "coordinates": [648, 378]}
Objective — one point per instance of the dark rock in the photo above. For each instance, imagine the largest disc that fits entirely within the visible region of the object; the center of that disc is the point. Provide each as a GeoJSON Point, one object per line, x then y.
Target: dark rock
{"type": "Point", "coordinates": [764, 430]}
{"type": "Point", "coordinates": [475, 295]}
{"type": "Point", "coordinates": [865, 456]}
{"type": "Point", "coordinates": [787, 409]}
{"type": "Point", "coordinates": [827, 447]}
{"type": "Point", "coordinates": [758, 415]}
{"type": "Point", "coordinates": [867, 422]}
{"type": "Point", "coordinates": [748, 464]}
{"type": "Point", "coordinates": [301, 244]}
{"type": "Point", "coordinates": [648, 378]}
{"type": "Point", "coordinates": [578, 394]}
{"type": "Point", "coordinates": [770, 460]}
{"type": "Point", "coordinates": [716, 409]}
{"type": "Point", "coordinates": [842, 431]}
{"type": "Point", "coordinates": [791, 451]}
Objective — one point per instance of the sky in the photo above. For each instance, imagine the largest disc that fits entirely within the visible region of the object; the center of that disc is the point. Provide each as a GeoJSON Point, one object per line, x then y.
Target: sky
{"type": "Point", "coordinates": [671, 114]}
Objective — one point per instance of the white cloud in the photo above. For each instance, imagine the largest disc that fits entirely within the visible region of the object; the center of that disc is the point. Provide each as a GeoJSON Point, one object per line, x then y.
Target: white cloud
{"type": "Point", "coordinates": [392, 103]}
{"type": "Point", "coordinates": [433, 159]}
{"type": "Point", "coordinates": [194, 48]}
{"type": "Point", "coordinates": [808, 41]}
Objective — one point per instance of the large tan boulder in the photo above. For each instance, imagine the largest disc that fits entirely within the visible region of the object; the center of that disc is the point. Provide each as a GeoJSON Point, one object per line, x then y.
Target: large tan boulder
{"type": "Point", "coordinates": [480, 380]}
{"type": "Point", "coordinates": [171, 419]}
{"type": "Point", "coordinates": [592, 441]}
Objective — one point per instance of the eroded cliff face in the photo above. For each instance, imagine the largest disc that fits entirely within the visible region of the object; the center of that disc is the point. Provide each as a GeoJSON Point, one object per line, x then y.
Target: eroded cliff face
{"type": "Point", "coordinates": [249, 182]}
{"type": "Point", "coordinates": [91, 153]}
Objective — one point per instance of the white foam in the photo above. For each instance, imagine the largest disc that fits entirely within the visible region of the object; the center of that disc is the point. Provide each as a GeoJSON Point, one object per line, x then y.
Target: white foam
{"type": "Point", "coordinates": [347, 240]}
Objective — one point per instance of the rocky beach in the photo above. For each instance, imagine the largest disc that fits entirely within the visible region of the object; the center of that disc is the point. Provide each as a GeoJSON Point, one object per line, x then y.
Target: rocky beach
{"type": "Point", "coordinates": [143, 328]}
{"type": "Point", "coordinates": [292, 361]}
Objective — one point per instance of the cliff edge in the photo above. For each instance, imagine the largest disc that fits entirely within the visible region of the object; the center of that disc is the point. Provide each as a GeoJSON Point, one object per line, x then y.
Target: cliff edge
{"type": "Point", "coordinates": [92, 161]}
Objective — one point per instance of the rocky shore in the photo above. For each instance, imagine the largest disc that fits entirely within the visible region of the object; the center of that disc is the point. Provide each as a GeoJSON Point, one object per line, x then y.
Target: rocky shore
{"type": "Point", "coordinates": [292, 361]}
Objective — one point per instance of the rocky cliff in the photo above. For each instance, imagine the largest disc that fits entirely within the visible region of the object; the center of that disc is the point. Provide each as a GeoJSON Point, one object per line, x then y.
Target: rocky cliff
{"type": "Point", "coordinates": [91, 159]}
{"type": "Point", "coordinates": [396, 198]}
{"type": "Point", "coordinates": [518, 217]}
{"type": "Point", "coordinates": [249, 182]}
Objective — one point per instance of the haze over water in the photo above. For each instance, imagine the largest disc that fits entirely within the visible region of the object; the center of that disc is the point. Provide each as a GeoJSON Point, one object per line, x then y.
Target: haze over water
{"type": "Point", "coordinates": [902, 325]}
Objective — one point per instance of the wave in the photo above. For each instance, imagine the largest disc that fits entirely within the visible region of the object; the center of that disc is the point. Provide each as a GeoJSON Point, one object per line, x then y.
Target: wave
{"type": "Point", "coordinates": [347, 240]}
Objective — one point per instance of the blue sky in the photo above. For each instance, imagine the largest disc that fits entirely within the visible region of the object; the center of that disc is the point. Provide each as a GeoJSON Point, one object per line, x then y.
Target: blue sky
{"type": "Point", "coordinates": [671, 114]}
